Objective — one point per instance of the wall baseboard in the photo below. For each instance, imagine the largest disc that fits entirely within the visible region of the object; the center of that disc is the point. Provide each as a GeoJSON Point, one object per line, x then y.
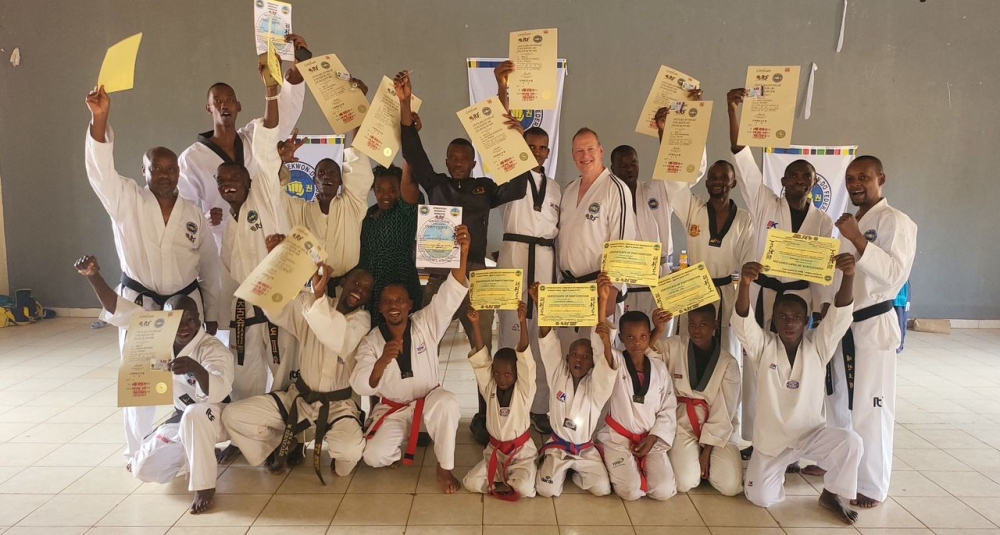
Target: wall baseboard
{"type": "Point", "coordinates": [76, 312]}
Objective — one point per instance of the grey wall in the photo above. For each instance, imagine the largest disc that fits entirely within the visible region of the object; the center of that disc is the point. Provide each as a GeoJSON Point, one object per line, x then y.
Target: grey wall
{"type": "Point", "coordinates": [916, 84]}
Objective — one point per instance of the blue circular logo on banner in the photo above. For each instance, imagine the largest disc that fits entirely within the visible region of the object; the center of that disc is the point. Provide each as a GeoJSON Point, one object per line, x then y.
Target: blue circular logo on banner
{"type": "Point", "coordinates": [528, 118]}
{"type": "Point", "coordinates": [301, 186]}
{"type": "Point", "coordinates": [821, 193]}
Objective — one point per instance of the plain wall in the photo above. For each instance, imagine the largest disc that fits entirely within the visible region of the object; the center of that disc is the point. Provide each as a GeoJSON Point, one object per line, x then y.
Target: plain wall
{"type": "Point", "coordinates": [915, 84]}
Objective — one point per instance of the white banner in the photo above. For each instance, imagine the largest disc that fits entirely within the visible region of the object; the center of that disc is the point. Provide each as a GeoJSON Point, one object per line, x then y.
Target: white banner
{"type": "Point", "coordinates": [830, 192]}
{"type": "Point", "coordinates": [309, 154]}
{"type": "Point", "coordinates": [483, 84]}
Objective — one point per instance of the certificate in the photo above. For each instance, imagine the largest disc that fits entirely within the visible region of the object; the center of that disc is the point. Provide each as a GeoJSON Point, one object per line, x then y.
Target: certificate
{"type": "Point", "coordinates": [143, 379]}
{"type": "Point", "coordinates": [118, 69]}
{"type": "Point", "coordinates": [343, 105]}
{"type": "Point", "coordinates": [273, 20]}
{"type": "Point", "coordinates": [567, 305]}
{"type": "Point", "coordinates": [800, 256]}
{"type": "Point", "coordinates": [685, 290]}
{"type": "Point", "coordinates": [503, 151]}
{"type": "Point", "coordinates": [284, 271]}
{"type": "Point", "coordinates": [769, 110]}
{"type": "Point", "coordinates": [670, 86]}
{"type": "Point", "coordinates": [533, 84]}
{"type": "Point", "coordinates": [379, 135]}
{"type": "Point", "coordinates": [436, 245]}
{"type": "Point", "coordinates": [495, 289]}
{"type": "Point", "coordinates": [632, 262]}
{"type": "Point", "coordinates": [683, 144]}
{"type": "Point", "coordinates": [273, 65]}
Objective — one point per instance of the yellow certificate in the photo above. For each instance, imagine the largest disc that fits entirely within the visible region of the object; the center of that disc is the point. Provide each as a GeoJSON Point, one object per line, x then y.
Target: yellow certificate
{"type": "Point", "coordinates": [769, 108]}
{"type": "Point", "coordinates": [495, 289]}
{"type": "Point", "coordinates": [800, 256]}
{"type": "Point", "coordinates": [273, 63]}
{"type": "Point", "coordinates": [343, 105]}
{"type": "Point", "coordinates": [632, 262]}
{"type": "Point", "coordinates": [379, 135]}
{"type": "Point", "coordinates": [669, 87]}
{"type": "Point", "coordinates": [533, 84]}
{"type": "Point", "coordinates": [685, 290]}
{"type": "Point", "coordinates": [567, 305]}
{"type": "Point", "coordinates": [118, 69]}
{"type": "Point", "coordinates": [281, 275]}
{"type": "Point", "coordinates": [143, 378]}
{"type": "Point", "coordinates": [503, 151]}
{"type": "Point", "coordinates": [683, 144]}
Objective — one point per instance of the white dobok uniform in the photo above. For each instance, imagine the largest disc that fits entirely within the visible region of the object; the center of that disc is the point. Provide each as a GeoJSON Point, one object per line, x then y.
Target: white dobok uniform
{"type": "Point", "coordinates": [639, 408]}
{"type": "Point", "coordinates": [157, 259]}
{"type": "Point", "coordinates": [575, 413]}
{"type": "Point", "coordinates": [652, 221]}
{"type": "Point", "coordinates": [185, 443]}
{"type": "Point", "coordinates": [511, 453]}
{"type": "Point", "coordinates": [530, 227]}
{"type": "Point", "coordinates": [707, 415]}
{"type": "Point", "coordinates": [790, 422]}
{"type": "Point", "coordinates": [409, 387]}
{"type": "Point", "coordinates": [865, 399]}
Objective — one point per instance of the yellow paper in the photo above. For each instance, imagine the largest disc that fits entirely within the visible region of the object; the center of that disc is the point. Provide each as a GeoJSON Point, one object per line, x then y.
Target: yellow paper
{"type": "Point", "coordinates": [800, 256]}
{"type": "Point", "coordinates": [495, 289]}
{"type": "Point", "coordinates": [632, 262]}
{"type": "Point", "coordinates": [668, 88]}
{"type": "Point", "coordinates": [343, 105]}
{"type": "Point", "coordinates": [379, 135]}
{"type": "Point", "coordinates": [685, 290]}
{"type": "Point", "coordinates": [567, 305]}
{"type": "Point", "coordinates": [501, 149]}
{"type": "Point", "coordinates": [273, 63]}
{"type": "Point", "coordinates": [149, 345]}
{"type": "Point", "coordinates": [767, 120]}
{"type": "Point", "coordinates": [279, 278]}
{"type": "Point", "coordinates": [683, 145]}
{"type": "Point", "coordinates": [533, 84]}
{"type": "Point", "coordinates": [118, 69]}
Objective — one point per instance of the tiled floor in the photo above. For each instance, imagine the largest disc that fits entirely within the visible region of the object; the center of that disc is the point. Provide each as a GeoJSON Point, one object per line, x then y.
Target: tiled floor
{"type": "Point", "coordinates": [61, 468]}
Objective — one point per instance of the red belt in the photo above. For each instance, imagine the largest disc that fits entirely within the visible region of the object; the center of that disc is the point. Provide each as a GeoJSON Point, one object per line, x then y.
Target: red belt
{"type": "Point", "coordinates": [634, 440]}
{"type": "Point", "coordinates": [509, 449]}
{"type": "Point", "coordinates": [418, 411]}
{"type": "Point", "coordinates": [693, 414]}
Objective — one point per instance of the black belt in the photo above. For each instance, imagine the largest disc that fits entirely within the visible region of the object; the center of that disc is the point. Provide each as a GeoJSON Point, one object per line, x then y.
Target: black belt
{"type": "Point", "coordinates": [532, 242]}
{"type": "Point", "coordinates": [137, 287]}
{"type": "Point", "coordinates": [722, 281]}
{"type": "Point", "coordinates": [569, 278]}
{"type": "Point", "coordinates": [849, 350]}
{"type": "Point", "coordinates": [293, 426]}
{"type": "Point", "coordinates": [240, 324]}
{"type": "Point", "coordinates": [772, 284]}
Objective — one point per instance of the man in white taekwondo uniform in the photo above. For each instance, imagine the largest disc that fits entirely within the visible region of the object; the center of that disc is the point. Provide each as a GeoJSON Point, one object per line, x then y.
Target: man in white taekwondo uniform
{"type": "Point", "coordinates": [595, 208]}
{"type": "Point", "coordinates": [399, 362]}
{"type": "Point", "coordinates": [226, 143]}
{"type": "Point", "coordinates": [791, 212]}
{"type": "Point", "coordinates": [203, 378]}
{"type": "Point", "coordinates": [863, 380]}
{"type": "Point", "coordinates": [328, 337]}
{"type": "Point", "coordinates": [707, 383]}
{"type": "Point", "coordinates": [791, 366]}
{"type": "Point", "coordinates": [256, 208]}
{"type": "Point", "coordinates": [162, 241]}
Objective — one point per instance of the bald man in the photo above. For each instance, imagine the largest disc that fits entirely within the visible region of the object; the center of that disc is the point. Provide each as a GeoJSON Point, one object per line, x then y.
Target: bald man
{"type": "Point", "coordinates": [163, 245]}
{"type": "Point", "coordinates": [203, 378]}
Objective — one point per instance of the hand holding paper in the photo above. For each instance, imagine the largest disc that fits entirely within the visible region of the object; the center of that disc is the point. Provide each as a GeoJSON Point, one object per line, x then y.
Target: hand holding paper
{"type": "Point", "coordinates": [118, 69]}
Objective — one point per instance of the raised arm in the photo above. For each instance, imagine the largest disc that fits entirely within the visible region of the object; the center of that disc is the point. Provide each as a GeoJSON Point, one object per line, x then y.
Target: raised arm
{"type": "Point", "coordinates": [111, 188]}
{"type": "Point", "coordinates": [744, 325]}
{"type": "Point", "coordinates": [501, 72]}
{"type": "Point", "coordinates": [464, 240]}
{"type": "Point", "coordinates": [358, 178]}
{"type": "Point", "coordinates": [413, 149]}
{"type": "Point", "coordinates": [271, 111]}
{"type": "Point", "coordinates": [293, 92]}
{"type": "Point", "coordinates": [477, 337]}
{"type": "Point", "coordinates": [733, 101]}
{"type": "Point", "coordinates": [409, 191]}
{"type": "Point", "coordinates": [89, 268]}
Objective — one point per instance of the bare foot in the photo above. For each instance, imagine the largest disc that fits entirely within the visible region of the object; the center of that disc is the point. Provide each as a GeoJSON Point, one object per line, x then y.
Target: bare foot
{"type": "Point", "coordinates": [813, 470]}
{"type": "Point", "coordinates": [202, 501]}
{"type": "Point", "coordinates": [834, 504]}
{"type": "Point", "coordinates": [129, 467]}
{"type": "Point", "coordinates": [793, 468]}
{"type": "Point", "coordinates": [449, 485]}
{"type": "Point", "coordinates": [227, 455]}
{"type": "Point", "coordinates": [864, 502]}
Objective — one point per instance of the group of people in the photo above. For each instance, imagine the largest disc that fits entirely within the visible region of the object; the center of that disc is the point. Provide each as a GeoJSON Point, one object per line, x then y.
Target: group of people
{"type": "Point", "coordinates": [643, 404]}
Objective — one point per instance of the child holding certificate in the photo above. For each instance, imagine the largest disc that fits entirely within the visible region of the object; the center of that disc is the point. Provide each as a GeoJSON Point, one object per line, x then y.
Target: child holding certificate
{"type": "Point", "coordinates": [579, 387]}
{"type": "Point", "coordinates": [642, 420]}
{"type": "Point", "coordinates": [507, 382]}
{"type": "Point", "coordinates": [790, 369]}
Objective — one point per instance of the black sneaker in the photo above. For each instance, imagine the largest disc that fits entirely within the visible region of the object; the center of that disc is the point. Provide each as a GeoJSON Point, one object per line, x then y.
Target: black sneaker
{"type": "Point", "coordinates": [541, 423]}
{"type": "Point", "coordinates": [478, 428]}
{"type": "Point", "coordinates": [424, 439]}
